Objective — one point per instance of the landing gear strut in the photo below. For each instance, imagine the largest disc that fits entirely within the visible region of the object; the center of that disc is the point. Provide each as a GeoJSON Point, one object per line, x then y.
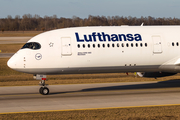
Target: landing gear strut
{"type": "Point", "coordinates": [43, 89]}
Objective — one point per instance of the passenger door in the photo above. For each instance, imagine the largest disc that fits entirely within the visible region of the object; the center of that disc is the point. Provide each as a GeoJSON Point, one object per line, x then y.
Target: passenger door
{"type": "Point", "coordinates": [66, 46]}
{"type": "Point", "coordinates": [157, 44]}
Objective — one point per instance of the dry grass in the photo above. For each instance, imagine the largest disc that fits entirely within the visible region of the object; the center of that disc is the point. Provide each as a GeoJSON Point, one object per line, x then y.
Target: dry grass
{"type": "Point", "coordinates": [143, 113]}
{"type": "Point", "coordinates": [10, 48]}
{"type": "Point", "coordinates": [19, 33]}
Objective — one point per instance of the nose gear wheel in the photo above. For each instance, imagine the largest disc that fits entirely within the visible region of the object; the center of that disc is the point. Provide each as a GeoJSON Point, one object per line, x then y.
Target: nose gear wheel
{"type": "Point", "coordinates": [43, 90]}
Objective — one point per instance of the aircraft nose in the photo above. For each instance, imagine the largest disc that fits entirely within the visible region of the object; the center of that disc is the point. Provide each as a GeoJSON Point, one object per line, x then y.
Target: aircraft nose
{"type": "Point", "coordinates": [11, 63]}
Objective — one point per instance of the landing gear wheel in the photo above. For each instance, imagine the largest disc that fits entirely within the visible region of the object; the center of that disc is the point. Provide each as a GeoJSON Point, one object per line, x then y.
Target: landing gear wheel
{"type": "Point", "coordinates": [40, 90]}
{"type": "Point", "coordinates": [44, 91]}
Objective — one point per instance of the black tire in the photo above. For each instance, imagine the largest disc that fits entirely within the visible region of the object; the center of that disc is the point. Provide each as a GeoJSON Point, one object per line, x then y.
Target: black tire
{"type": "Point", "coordinates": [40, 90]}
{"type": "Point", "coordinates": [45, 91]}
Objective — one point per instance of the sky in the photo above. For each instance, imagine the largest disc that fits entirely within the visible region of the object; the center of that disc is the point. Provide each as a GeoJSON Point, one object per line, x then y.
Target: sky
{"type": "Point", "coordinates": [84, 8]}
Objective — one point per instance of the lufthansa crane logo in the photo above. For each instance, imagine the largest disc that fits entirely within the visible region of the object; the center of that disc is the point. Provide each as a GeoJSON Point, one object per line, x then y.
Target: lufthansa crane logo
{"type": "Point", "coordinates": [38, 56]}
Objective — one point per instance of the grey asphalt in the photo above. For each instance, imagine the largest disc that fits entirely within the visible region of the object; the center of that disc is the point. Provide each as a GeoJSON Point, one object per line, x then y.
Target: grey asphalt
{"type": "Point", "coordinates": [12, 40]}
{"type": "Point", "coordinates": [85, 96]}
{"type": "Point", "coordinates": [6, 55]}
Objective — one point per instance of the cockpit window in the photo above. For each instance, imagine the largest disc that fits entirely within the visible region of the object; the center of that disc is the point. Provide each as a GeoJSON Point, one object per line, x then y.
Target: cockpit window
{"type": "Point", "coordinates": [32, 45]}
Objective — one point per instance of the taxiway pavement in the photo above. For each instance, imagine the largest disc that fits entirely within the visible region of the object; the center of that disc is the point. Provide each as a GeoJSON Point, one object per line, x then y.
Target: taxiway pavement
{"type": "Point", "coordinates": [86, 96]}
{"type": "Point", "coordinates": [6, 55]}
{"type": "Point", "coordinates": [12, 40]}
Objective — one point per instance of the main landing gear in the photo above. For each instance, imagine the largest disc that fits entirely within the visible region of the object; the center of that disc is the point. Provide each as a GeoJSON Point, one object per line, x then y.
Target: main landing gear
{"type": "Point", "coordinates": [43, 89]}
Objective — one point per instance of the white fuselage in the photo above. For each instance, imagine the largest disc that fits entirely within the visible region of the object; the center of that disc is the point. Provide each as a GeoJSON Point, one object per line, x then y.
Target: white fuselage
{"type": "Point", "coordinates": [102, 50]}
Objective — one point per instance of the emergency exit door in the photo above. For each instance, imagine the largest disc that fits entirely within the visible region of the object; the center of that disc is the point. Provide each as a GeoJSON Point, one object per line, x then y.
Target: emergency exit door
{"type": "Point", "coordinates": [157, 44]}
{"type": "Point", "coordinates": [66, 46]}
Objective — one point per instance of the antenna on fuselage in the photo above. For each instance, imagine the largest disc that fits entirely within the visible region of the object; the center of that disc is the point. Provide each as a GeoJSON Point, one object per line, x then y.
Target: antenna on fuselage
{"type": "Point", "coordinates": [142, 24]}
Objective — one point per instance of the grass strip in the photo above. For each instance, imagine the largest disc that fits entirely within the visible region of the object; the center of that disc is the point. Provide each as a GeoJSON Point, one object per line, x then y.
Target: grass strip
{"type": "Point", "coordinates": [135, 113]}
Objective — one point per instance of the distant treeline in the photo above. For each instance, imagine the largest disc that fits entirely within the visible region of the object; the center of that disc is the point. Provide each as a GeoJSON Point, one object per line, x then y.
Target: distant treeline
{"type": "Point", "coordinates": [28, 22]}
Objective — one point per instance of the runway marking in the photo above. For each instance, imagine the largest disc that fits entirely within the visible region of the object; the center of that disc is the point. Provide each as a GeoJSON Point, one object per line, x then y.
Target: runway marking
{"type": "Point", "coordinates": [166, 105]}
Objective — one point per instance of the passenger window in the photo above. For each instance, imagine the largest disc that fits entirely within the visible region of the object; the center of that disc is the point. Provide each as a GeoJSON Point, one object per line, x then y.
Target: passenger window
{"type": "Point", "coordinates": [83, 45]}
{"type": "Point", "coordinates": [108, 45]}
{"type": "Point", "coordinates": [173, 44]}
{"type": "Point", "coordinates": [32, 45]}
{"type": "Point", "coordinates": [117, 44]}
{"type": "Point", "coordinates": [141, 44]}
{"type": "Point", "coordinates": [78, 46]}
{"type": "Point", "coordinates": [112, 45]}
{"type": "Point", "coordinates": [127, 45]}
{"type": "Point", "coordinates": [98, 45]}
{"type": "Point", "coordinates": [103, 45]}
{"type": "Point", "coordinates": [177, 44]}
{"type": "Point", "coordinates": [88, 45]}
{"type": "Point", "coordinates": [146, 44]}
{"type": "Point", "coordinates": [122, 45]}
{"type": "Point", "coordinates": [131, 44]}
{"type": "Point", "coordinates": [93, 45]}
{"type": "Point", "coordinates": [136, 44]}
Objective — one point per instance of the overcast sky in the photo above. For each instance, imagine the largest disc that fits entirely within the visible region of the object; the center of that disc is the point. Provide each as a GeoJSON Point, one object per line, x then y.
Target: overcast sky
{"type": "Point", "coordinates": [84, 8]}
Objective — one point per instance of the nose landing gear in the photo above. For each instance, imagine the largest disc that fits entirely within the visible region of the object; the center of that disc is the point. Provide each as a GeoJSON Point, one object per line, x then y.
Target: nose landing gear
{"type": "Point", "coordinates": [43, 89]}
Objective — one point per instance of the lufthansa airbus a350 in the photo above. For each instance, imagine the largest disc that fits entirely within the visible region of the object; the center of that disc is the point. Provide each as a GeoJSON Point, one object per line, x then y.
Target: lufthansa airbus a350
{"type": "Point", "coordinates": [152, 51]}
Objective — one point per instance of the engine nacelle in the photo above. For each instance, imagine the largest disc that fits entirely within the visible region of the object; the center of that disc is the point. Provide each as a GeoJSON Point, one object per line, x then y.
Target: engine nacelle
{"type": "Point", "coordinates": [154, 74]}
